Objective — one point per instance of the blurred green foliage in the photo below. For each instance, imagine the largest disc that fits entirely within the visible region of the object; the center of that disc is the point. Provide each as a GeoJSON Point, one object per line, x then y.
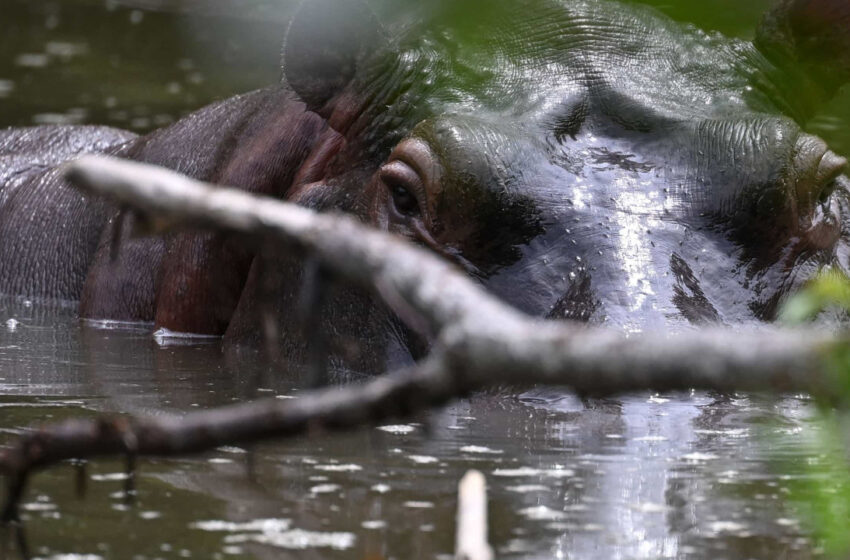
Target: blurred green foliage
{"type": "Point", "coordinates": [821, 491]}
{"type": "Point", "coordinates": [142, 64]}
{"type": "Point", "coordinates": [830, 289]}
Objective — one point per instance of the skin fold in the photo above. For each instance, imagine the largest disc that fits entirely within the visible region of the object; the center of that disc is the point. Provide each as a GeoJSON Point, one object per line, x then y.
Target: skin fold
{"type": "Point", "coordinates": [584, 160]}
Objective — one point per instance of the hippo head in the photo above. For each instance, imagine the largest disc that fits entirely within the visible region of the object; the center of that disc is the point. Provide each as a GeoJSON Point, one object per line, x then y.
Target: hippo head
{"type": "Point", "coordinates": [586, 159]}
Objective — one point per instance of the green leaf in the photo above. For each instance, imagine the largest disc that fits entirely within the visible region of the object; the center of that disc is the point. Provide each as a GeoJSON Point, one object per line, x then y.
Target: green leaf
{"type": "Point", "coordinates": [829, 289]}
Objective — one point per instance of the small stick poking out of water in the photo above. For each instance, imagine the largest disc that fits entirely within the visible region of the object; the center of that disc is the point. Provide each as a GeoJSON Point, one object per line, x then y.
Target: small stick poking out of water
{"type": "Point", "coordinates": [471, 543]}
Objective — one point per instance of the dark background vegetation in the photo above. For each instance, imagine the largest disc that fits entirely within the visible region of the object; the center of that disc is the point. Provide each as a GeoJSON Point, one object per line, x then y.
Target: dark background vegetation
{"type": "Point", "coordinates": [141, 64]}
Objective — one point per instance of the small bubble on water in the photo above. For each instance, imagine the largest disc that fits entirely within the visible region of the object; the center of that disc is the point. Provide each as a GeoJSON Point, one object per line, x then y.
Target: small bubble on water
{"type": "Point", "coordinates": [65, 50]}
{"type": "Point", "coordinates": [195, 78]}
{"type": "Point", "coordinates": [31, 60]}
{"type": "Point", "coordinates": [140, 123]}
{"type": "Point", "coordinates": [339, 468]}
{"type": "Point", "coordinates": [325, 488]}
{"type": "Point", "coordinates": [57, 118]}
{"type": "Point", "coordinates": [163, 120]}
{"type": "Point", "coordinates": [12, 325]}
{"type": "Point", "coordinates": [541, 513]}
{"type": "Point", "coordinates": [423, 459]}
{"type": "Point", "coordinates": [136, 17]}
{"type": "Point", "coordinates": [416, 504]}
{"type": "Point", "coordinates": [479, 449]}
{"type": "Point", "coordinates": [397, 429]}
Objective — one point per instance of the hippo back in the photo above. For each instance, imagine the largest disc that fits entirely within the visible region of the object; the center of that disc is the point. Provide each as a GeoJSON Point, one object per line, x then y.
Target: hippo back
{"type": "Point", "coordinates": [35, 259]}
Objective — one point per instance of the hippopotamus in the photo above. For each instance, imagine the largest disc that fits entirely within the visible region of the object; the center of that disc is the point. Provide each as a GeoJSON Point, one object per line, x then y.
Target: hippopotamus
{"type": "Point", "coordinates": [585, 160]}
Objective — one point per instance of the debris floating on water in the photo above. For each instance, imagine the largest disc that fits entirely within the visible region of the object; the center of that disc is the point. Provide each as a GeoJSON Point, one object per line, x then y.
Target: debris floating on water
{"type": "Point", "coordinates": [398, 429]}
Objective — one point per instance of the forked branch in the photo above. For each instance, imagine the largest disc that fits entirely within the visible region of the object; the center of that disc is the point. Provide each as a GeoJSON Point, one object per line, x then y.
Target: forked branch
{"type": "Point", "coordinates": [479, 340]}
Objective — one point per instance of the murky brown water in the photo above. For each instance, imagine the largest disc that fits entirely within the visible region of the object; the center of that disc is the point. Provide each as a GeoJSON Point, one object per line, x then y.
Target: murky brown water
{"type": "Point", "coordinates": [681, 476]}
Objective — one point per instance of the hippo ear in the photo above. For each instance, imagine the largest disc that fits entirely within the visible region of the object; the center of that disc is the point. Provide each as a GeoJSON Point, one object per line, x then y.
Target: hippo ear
{"type": "Point", "coordinates": [811, 35]}
{"type": "Point", "coordinates": [326, 41]}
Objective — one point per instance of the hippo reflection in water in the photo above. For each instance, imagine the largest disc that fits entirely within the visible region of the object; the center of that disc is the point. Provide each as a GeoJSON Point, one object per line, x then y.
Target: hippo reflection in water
{"type": "Point", "coordinates": [583, 159]}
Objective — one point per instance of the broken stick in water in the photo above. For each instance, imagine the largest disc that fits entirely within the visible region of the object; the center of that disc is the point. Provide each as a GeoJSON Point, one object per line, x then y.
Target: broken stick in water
{"type": "Point", "coordinates": [471, 540]}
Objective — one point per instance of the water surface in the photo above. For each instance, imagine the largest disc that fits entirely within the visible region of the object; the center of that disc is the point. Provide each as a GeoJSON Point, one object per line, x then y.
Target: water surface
{"type": "Point", "coordinates": [646, 476]}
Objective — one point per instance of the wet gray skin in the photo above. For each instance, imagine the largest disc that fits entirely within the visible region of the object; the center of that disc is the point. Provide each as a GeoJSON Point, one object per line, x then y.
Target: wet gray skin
{"type": "Point", "coordinates": [622, 170]}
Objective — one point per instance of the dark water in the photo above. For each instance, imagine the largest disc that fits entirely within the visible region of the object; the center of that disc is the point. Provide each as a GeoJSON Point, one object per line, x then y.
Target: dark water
{"type": "Point", "coordinates": [681, 476]}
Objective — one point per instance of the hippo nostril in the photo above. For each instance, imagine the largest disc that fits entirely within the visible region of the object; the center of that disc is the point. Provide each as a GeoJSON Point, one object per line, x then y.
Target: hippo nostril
{"type": "Point", "coordinates": [831, 166]}
{"type": "Point", "coordinates": [826, 193]}
{"type": "Point", "coordinates": [816, 169]}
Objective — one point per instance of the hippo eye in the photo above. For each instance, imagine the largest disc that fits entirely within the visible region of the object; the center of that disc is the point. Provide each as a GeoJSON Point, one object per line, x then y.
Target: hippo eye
{"type": "Point", "coordinates": [405, 203]}
{"type": "Point", "coordinates": [403, 184]}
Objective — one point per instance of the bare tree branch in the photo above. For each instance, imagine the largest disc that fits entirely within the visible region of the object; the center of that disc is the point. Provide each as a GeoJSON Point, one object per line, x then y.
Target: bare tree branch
{"type": "Point", "coordinates": [344, 408]}
{"type": "Point", "coordinates": [395, 395]}
{"type": "Point", "coordinates": [480, 340]}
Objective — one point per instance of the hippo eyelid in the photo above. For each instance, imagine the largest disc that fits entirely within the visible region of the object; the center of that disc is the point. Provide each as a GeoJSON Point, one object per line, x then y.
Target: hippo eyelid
{"type": "Point", "coordinates": [417, 155]}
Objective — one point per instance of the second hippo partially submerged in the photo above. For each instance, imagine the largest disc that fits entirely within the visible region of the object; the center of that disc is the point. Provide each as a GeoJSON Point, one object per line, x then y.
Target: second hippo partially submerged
{"type": "Point", "coordinates": [585, 160]}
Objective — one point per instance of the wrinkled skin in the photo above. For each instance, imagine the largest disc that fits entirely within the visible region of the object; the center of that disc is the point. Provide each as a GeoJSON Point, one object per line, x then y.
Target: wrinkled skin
{"type": "Point", "coordinates": [584, 160]}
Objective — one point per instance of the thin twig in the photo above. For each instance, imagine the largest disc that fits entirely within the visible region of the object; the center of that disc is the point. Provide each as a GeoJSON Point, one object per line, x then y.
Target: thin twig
{"type": "Point", "coordinates": [337, 409]}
